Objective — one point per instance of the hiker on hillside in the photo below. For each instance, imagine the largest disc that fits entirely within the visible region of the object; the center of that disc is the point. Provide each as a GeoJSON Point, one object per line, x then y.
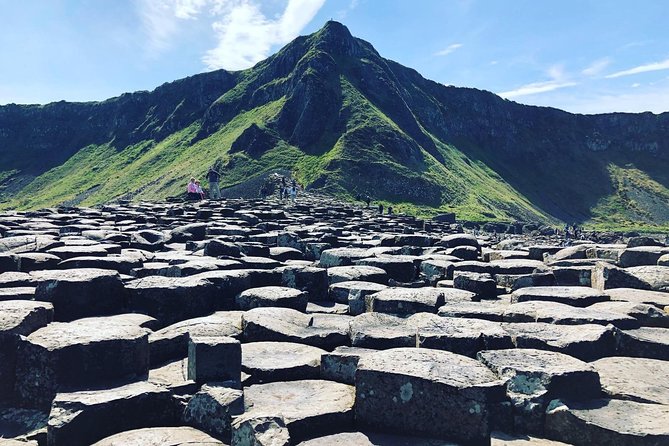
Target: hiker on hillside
{"type": "Point", "coordinates": [380, 209]}
{"type": "Point", "coordinates": [214, 177]}
{"type": "Point", "coordinates": [191, 190]}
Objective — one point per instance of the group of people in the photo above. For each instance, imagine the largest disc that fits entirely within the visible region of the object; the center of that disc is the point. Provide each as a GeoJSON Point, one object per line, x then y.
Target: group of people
{"type": "Point", "coordinates": [288, 190]}
{"type": "Point", "coordinates": [194, 189]}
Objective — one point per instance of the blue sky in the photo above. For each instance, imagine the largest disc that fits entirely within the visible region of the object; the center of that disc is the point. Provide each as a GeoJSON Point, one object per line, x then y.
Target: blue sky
{"type": "Point", "coordinates": [581, 56]}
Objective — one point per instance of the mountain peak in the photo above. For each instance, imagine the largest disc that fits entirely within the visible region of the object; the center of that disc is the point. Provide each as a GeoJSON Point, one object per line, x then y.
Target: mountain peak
{"type": "Point", "coordinates": [336, 39]}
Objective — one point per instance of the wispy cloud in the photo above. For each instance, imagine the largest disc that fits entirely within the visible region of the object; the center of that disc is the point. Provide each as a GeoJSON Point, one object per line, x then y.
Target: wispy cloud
{"type": "Point", "coordinates": [655, 66]}
{"type": "Point", "coordinates": [448, 50]}
{"type": "Point", "coordinates": [596, 67]}
{"type": "Point", "coordinates": [244, 33]}
{"type": "Point", "coordinates": [343, 13]}
{"type": "Point", "coordinates": [558, 80]}
{"type": "Point", "coordinates": [536, 88]}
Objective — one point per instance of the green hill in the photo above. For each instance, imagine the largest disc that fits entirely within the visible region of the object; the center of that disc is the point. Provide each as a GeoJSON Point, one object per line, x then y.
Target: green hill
{"type": "Point", "coordinates": [345, 121]}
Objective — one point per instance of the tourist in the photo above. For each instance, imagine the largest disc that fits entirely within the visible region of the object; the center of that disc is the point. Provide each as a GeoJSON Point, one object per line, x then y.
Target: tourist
{"type": "Point", "coordinates": [198, 190]}
{"type": "Point", "coordinates": [214, 177]}
{"type": "Point", "coordinates": [380, 209]}
{"type": "Point", "coordinates": [368, 200]}
{"type": "Point", "coordinates": [390, 210]}
{"type": "Point", "coordinates": [283, 189]}
{"type": "Point", "coordinates": [191, 190]}
{"type": "Point", "coordinates": [293, 193]}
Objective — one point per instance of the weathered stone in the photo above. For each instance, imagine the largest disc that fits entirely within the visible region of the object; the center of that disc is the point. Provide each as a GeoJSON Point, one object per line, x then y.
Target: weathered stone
{"type": "Point", "coordinates": [414, 300]}
{"type": "Point", "coordinates": [656, 298]}
{"type": "Point", "coordinates": [288, 325]}
{"type": "Point", "coordinates": [81, 418]}
{"type": "Point", "coordinates": [272, 296]}
{"type": "Point", "coordinates": [216, 247]}
{"type": "Point", "coordinates": [453, 240]}
{"type": "Point", "coordinates": [481, 284]}
{"type": "Point", "coordinates": [635, 379]}
{"type": "Point", "coordinates": [514, 266]}
{"type": "Point", "coordinates": [251, 430]}
{"type": "Point", "coordinates": [283, 253]}
{"type": "Point", "coordinates": [436, 270]}
{"type": "Point", "coordinates": [212, 410]}
{"type": "Point", "coordinates": [161, 436]}
{"type": "Point", "coordinates": [309, 408]}
{"type": "Point", "coordinates": [214, 359]}
{"type": "Point", "coordinates": [372, 439]}
{"type": "Point", "coordinates": [340, 364]}
{"type": "Point", "coordinates": [641, 255]}
{"type": "Point", "coordinates": [357, 273]}
{"type": "Point", "coordinates": [400, 268]}
{"type": "Point", "coordinates": [172, 342]}
{"type": "Point", "coordinates": [312, 280]}
{"type": "Point", "coordinates": [341, 256]}
{"type": "Point", "coordinates": [149, 240]}
{"type": "Point", "coordinates": [486, 309]}
{"type": "Point", "coordinates": [79, 293]}
{"type": "Point", "coordinates": [381, 331]}
{"type": "Point", "coordinates": [646, 315]}
{"type": "Point", "coordinates": [535, 377]}
{"type": "Point", "coordinates": [123, 265]}
{"type": "Point", "coordinates": [280, 361]}
{"type": "Point", "coordinates": [607, 422]}
{"type": "Point", "coordinates": [17, 318]}
{"type": "Point", "coordinates": [427, 384]}
{"type": "Point", "coordinates": [74, 355]}
{"type": "Point", "coordinates": [585, 342]}
{"type": "Point", "coordinates": [575, 296]}
{"type": "Point", "coordinates": [17, 293]}
{"type": "Point", "coordinates": [174, 377]}
{"type": "Point", "coordinates": [644, 342]}
{"type": "Point", "coordinates": [23, 424]}
{"type": "Point", "coordinates": [171, 299]}
{"type": "Point", "coordinates": [557, 313]}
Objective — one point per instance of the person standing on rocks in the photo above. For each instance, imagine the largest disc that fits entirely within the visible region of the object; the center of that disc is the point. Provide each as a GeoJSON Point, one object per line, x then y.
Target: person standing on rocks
{"type": "Point", "coordinates": [214, 177]}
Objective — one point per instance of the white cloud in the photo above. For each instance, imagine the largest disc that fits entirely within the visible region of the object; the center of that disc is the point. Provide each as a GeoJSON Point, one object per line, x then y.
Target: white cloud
{"type": "Point", "coordinates": [244, 34]}
{"type": "Point", "coordinates": [448, 50]}
{"type": "Point", "coordinates": [536, 88]}
{"type": "Point", "coordinates": [636, 85]}
{"type": "Point", "coordinates": [558, 80]}
{"type": "Point", "coordinates": [596, 67]}
{"type": "Point", "coordinates": [655, 66]}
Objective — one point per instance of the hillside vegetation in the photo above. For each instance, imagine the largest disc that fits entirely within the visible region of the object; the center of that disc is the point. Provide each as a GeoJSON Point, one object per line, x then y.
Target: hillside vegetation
{"type": "Point", "coordinates": [345, 121]}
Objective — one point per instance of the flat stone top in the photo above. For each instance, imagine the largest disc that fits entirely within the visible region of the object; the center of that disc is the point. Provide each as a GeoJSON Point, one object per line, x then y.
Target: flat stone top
{"type": "Point", "coordinates": [14, 312]}
{"type": "Point", "coordinates": [638, 379]}
{"type": "Point", "coordinates": [528, 360]}
{"type": "Point", "coordinates": [570, 292]}
{"type": "Point", "coordinates": [657, 298]}
{"type": "Point", "coordinates": [555, 334]}
{"type": "Point", "coordinates": [284, 315]}
{"type": "Point", "coordinates": [272, 292]}
{"type": "Point", "coordinates": [172, 283]}
{"type": "Point", "coordinates": [503, 439]}
{"type": "Point", "coordinates": [633, 418]}
{"type": "Point", "coordinates": [298, 399]}
{"type": "Point", "coordinates": [59, 335]}
{"type": "Point", "coordinates": [425, 294]}
{"type": "Point", "coordinates": [431, 365]}
{"type": "Point", "coordinates": [359, 285]}
{"type": "Point", "coordinates": [213, 340]}
{"type": "Point", "coordinates": [652, 334]}
{"type": "Point", "coordinates": [96, 397]}
{"type": "Point", "coordinates": [372, 439]}
{"type": "Point", "coordinates": [74, 274]}
{"type": "Point", "coordinates": [222, 323]}
{"type": "Point", "coordinates": [430, 323]}
{"type": "Point", "coordinates": [278, 355]}
{"type": "Point", "coordinates": [160, 436]}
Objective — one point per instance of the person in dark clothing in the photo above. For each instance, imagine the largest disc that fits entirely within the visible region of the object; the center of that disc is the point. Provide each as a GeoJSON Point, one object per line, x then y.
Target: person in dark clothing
{"type": "Point", "coordinates": [214, 177]}
{"type": "Point", "coordinates": [368, 200]}
{"type": "Point", "coordinates": [282, 189]}
{"type": "Point", "coordinates": [380, 209]}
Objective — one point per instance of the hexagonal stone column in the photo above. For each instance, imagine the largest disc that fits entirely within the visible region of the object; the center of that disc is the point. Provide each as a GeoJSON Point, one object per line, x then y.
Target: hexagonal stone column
{"type": "Point", "coordinates": [75, 355]}
{"type": "Point", "coordinates": [427, 392]}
